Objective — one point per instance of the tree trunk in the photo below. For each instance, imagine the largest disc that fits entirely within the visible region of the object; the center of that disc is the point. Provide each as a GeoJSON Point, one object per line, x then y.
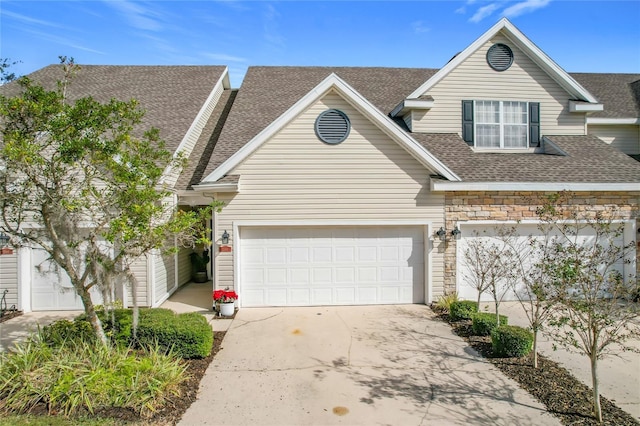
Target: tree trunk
{"type": "Point", "coordinates": [90, 310]}
{"type": "Point", "coordinates": [535, 348]}
{"type": "Point", "coordinates": [597, 410]}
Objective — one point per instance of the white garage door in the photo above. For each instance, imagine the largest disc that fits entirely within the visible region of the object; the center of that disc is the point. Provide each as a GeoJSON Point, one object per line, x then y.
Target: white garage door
{"type": "Point", "coordinates": [486, 233]}
{"type": "Point", "coordinates": [51, 288]}
{"type": "Point", "coordinates": [293, 266]}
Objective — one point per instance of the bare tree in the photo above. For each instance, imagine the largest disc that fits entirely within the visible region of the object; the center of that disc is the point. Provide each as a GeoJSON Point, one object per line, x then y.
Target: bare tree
{"type": "Point", "coordinates": [487, 260]}
{"type": "Point", "coordinates": [596, 315]}
{"type": "Point", "coordinates": [529, 278]}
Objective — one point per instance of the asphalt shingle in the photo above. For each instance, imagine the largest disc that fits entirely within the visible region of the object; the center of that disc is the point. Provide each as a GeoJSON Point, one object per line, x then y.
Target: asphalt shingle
{"type": "Point", "coordinates": [172, 96]}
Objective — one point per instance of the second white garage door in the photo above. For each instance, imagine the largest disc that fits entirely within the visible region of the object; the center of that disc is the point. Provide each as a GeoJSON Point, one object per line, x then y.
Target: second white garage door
{"type": "Point", "coordinates": [294, 266]}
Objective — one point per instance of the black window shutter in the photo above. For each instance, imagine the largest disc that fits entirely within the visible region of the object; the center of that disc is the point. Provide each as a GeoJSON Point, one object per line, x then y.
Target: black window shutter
{"type": "Point", "coordinates": [534, 124]}
{"type": "Point", "coordinates": [467, 122]}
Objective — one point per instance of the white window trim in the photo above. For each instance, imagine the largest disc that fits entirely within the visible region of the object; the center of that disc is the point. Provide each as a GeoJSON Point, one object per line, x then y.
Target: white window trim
{"type": "Point", "coordinates": [501, 125]}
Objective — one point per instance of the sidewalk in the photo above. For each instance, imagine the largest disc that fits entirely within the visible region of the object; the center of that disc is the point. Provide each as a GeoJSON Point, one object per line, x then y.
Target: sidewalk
{"type": "Point", "coordinates": [18, 328]}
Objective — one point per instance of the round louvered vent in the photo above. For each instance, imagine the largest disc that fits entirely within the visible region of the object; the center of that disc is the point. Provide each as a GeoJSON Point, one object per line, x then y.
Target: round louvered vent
{"type": "Point", "coordinates": [500, 57]}
{"type": "Point", "coordinates": [332, 126]}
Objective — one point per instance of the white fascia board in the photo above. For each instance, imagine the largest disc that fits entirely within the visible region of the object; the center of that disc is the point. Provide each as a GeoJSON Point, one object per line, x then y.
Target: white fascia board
{"type": "Point", "coordinates": [533, 51]}
{"type": "Point", "coordinates": [436, 185]}
{"type": "Point", "coordinates": [359, 102]}
{"type": "Point", "coordinates": [612, 121]}
{"type": "Point", "coordinates": [409, 104]}
{"type": "Point", "coordinates": [225, 83]}
{"type": "Point", "coordinates": [580, 106]}
{"type": "Point", "coordinates": [216, 187]}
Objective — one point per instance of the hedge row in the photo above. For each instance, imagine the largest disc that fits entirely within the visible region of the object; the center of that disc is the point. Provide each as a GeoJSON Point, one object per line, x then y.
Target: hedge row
{"type": "Point", "coordinates": [186, 335]}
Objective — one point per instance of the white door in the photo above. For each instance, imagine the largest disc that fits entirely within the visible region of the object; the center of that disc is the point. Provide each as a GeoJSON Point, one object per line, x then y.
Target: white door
{"type": "Point", "coordinates": [299, 266]}
{"type": "Point", "coordinates": [51, 288]}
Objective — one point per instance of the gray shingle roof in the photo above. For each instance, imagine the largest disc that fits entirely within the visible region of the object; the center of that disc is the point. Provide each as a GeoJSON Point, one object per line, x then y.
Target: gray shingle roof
{"type": "Point", "coordinates": [267, 92]}
{"type": "Point", "coordinates": [193, 173]}
{"type": "Point", "coordinates": [620, 93]}
{"type": "Point", "coordinates": [171, 95]}
{"type": "Point", "coordinates": [589, 160]}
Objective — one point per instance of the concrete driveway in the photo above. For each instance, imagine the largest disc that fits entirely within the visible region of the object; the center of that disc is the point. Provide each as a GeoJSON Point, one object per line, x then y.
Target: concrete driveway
{"type": "Point", "coordinates": [382, 365]}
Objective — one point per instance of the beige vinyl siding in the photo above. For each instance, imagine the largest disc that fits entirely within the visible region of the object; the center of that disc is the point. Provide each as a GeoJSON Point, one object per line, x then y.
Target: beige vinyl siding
{"type": "Point", "coordinates": [295, 177]}
{"type": "Point", "coordinates": [139, 269]}
{"type": "Point", "coordinates": [192, 136]}
{"type": "Point", "coordinates": [474, 79]}
{"type": "Point", "coordinates": [184, 266]}
{"type": "Point", "coordinates": [9, 278]}
{"type": "Point", "coordinates": [163, 276]}
{"type": "Point", "coordinates": [626, 138]}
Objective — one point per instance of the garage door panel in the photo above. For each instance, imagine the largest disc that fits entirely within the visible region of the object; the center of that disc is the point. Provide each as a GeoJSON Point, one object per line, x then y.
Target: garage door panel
{"type": "Point", "coordinates": [322, 265]}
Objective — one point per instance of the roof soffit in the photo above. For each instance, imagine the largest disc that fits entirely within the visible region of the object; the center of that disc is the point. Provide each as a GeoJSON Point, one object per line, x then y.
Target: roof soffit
{"type": "Point", "coordinates": [333, 82]}
{"type": "Point", "coordinates": [514, 35]}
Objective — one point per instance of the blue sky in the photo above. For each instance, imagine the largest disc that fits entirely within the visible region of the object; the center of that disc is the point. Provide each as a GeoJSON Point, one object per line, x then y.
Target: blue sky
{"type": "Point", "coordinates": [585, 36]}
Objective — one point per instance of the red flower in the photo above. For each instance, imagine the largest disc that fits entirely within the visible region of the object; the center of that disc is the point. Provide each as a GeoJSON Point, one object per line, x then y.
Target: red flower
{"type": "Point", "coordinates": [224, 296]}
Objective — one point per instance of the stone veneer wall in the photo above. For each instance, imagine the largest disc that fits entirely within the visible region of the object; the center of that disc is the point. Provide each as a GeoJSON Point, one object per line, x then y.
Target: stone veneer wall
{"type": "Point", "coordinates": [503, 205]}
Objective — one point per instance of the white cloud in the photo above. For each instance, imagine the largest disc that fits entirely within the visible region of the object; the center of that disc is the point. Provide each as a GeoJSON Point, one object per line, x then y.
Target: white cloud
{"type": "Point", "coordinates": [484, 12]}
{"type": "Point", "coordinates": [223, 57]}
{"type": "Point", "coordinates": [525, 7]}
{"type": "Point", "coordinates": [461, 10]}
{"type": "Point", "coordinates": [29, 20]}
{"type": "Point", "coordinates": [271, 33]}
{"type": "Point", "coordinates": [63, 41]}
{"type": "Point", "coordinates": [419, 27]}
{"type": "Point", "coordinates": [139, 17]}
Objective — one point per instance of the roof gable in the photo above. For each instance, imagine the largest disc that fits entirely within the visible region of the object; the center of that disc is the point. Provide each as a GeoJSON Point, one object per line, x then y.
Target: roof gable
{"type": "Point", "coordinates": [332, 82]}
{"type": "Point", "coordinates": [505, 27]}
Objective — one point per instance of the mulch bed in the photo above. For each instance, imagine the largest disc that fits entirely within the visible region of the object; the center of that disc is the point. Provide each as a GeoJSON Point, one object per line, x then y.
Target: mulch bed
{"type": "Point", "coordinates": [563, 395]}
{"type": "Point", "coordinates": [9, 314]}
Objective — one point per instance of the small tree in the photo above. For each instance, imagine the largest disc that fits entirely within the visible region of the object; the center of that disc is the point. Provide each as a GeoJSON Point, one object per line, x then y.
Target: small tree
{"type": "Point", "coordinates": [487, 261]}
{"type": "Point", "coordinates": [76, 181]}
{"type": "Point", "coordinates": [529, 279]}
{"type": "Point", "coordinates": [595, 315]}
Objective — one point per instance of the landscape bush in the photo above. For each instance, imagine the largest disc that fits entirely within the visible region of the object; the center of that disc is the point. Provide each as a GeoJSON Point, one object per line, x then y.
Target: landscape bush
{"type": "Point", "coordinates": [483, 323]}
{"type": "Point", "coordinates": [62, 331]}
{"type": "Point", "coordinates": [443, 304]}
{"type": "Point", "coordinates": [511, 341]}
{"type": "Point", "coordinates": [463, 310]}
{"type": "Point", "coordinates": [77, 377]}
{"type": "Point", "coordinates": [187, 335]}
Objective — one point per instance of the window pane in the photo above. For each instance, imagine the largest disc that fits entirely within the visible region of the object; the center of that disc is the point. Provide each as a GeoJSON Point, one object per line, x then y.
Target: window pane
{"type": "Point", "coordinates": [515, 112]}
{"type": "Point", "coordinates": [515, 136]}
{"type": "Point", "coordinates": [488, 136]}
{"type": "Point", "coordinates": [488, 112]}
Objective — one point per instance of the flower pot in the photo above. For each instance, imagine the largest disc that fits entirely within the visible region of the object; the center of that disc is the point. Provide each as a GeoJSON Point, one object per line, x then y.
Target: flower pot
{"type": "Point", "coordinates": [200, 277]}
{"type": "Point", "coordinates": [227, 309]}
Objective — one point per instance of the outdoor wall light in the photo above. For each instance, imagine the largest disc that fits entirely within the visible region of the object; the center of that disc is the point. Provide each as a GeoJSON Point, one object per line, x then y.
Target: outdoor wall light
{"type": "Point", "coordinates": [442, 234]}
{"type": "Point", "coordinates": [4, 240]}
{"type": "Point", "coordinates": [456, 232]}
{"type": "Point", "coordinates": [225, 237]}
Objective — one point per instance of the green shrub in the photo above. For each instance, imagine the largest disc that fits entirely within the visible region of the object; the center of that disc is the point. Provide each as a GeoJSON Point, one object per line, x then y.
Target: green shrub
{"type": "Point", "coordinates": [463, 310]}
{"type": "Point", "coordinates": [443, 304]}
{"type": "Point", "coordinates": [75, 378]}
{"type": "Point", "coordinates": [484, 323]}
{"type": "Point", "coordinates": [511, 341]}
{"type": "Point", "coordinates": [187, 335]}
{"type": "Point", "coordinates": [63, 331]}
